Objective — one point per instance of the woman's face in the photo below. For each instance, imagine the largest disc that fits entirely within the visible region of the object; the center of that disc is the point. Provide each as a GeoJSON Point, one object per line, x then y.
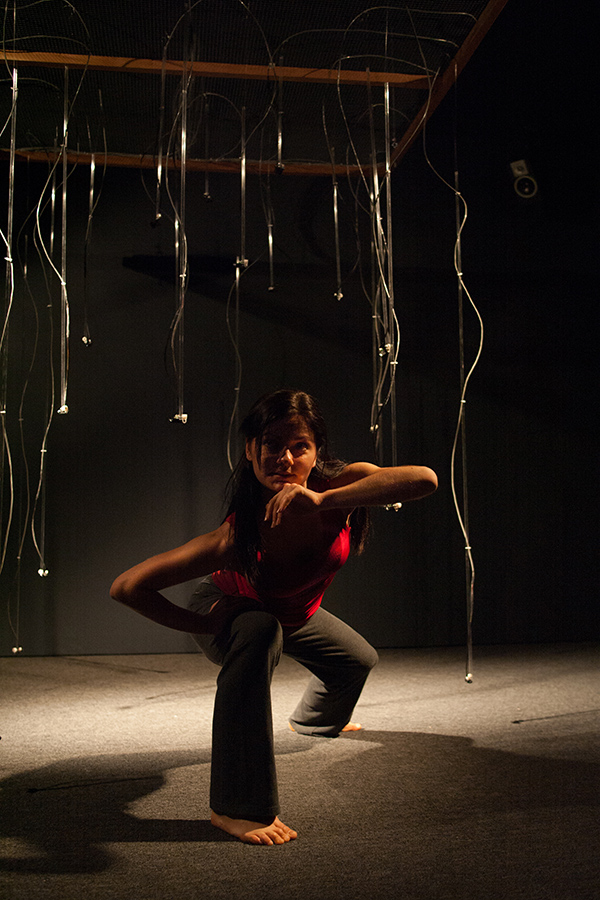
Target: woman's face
{"type": "Point", "coordinates": [287, 456]}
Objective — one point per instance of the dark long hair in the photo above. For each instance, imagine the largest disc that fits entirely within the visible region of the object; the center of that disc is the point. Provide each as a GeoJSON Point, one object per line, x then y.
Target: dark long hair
{"type": "Point", "coordinates": [244, 490]}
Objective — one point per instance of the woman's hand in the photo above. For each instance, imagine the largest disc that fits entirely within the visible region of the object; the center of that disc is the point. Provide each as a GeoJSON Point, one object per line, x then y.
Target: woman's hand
{"type": "Point", "coordinates": [292, 497]}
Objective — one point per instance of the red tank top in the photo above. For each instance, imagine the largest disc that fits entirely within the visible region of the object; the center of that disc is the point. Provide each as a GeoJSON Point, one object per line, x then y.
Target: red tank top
{"type": "Point", "coordinates": [297, 607]}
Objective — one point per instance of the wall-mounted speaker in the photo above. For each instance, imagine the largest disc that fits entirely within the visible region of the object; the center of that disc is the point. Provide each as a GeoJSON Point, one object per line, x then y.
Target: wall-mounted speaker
{"type": "Point", "coordinates": [524, 183]}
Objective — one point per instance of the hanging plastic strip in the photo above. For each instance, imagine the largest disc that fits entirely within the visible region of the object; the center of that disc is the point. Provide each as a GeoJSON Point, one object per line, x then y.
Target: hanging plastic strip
{"type": "Point", "coordinates": [241, 264]}
{"type": "Point", "coordinates": [279, 167]}
{"type": "Point", "coordinates": [5, 452]}
{"type": "Point", "coordinates": [178, 335]}
{"type": "Point", "coordinates": [270, 225]}
{"type": "Point", "coordinates": [161, 125]}
{"type": "Point", "coordinates": [336, 228]}
{"type": "Point", "coordinates": [65, 326]}
{"type": "Point", "coordinates": [205, 112]}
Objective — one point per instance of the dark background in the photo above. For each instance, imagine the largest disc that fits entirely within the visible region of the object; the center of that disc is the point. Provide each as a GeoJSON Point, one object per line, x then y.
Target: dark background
{"type": "Point", "coordinates": [125, 483]}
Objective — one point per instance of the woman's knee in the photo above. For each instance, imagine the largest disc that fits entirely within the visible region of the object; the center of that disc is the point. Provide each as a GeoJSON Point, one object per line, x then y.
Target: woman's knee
{"type": "Point", "coordinates": [371, 658]}
{"type": "Point", "coordinates": [365, 657]}
{"type": "Point", "coordinates": [259, 628]}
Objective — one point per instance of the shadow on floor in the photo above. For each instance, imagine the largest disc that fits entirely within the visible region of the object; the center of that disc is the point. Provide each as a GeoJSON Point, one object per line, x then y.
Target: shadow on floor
{"type": "Point", "coordinates": [428, 787]}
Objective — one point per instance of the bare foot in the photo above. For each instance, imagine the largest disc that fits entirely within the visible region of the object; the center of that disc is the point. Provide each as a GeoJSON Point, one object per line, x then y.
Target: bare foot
{"type": "Point", "coordinates": [255, 832]}
{"type": "Point", "coordinates": [351, 726]}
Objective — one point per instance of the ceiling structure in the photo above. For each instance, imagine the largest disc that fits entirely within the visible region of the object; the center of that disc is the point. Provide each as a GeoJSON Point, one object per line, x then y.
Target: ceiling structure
{"type": "Point", "coordinates": [298, 85]}
{"type": "Point", "coordinates": [305, 87]}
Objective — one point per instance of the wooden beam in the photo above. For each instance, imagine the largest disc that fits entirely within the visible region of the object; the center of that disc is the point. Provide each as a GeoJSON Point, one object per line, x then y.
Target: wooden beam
{"type": "Point", "coordinates": [270, 73]}
{"type": "Point", "coordinates": [135, 161]}
{"type": "Point", "coordinates": [213, 70]}
{"type": "Point", "coordinates": [448, 79]}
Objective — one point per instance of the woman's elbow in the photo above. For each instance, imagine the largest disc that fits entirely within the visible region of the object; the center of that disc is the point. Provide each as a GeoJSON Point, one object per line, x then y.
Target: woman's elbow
{"type": "Point", "coordinates": [121, 590]}
{"type": "Point", "coordinates": [428, 481]}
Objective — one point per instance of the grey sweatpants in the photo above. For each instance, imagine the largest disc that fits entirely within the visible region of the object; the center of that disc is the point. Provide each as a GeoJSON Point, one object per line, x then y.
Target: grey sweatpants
{"type": "Point", "coordinates": [243, 776]}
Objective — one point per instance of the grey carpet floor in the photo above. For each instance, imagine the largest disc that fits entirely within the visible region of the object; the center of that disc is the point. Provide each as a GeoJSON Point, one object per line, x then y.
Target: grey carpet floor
{"type": "Point", "coordinates": [488, 791]}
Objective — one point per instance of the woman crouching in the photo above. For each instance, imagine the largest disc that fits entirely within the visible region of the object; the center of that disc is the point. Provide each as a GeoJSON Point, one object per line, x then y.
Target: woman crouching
{"type": "Point", "coordinates": [294, 515]}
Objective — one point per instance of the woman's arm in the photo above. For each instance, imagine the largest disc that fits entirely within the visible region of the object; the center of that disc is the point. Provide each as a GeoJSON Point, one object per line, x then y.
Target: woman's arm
{"type": "Point", "coordinates": [364, 484]}
{"type": "Point", "coordinates": [359, 484]}
{"type": "Point", "coordinates": [139, 587]}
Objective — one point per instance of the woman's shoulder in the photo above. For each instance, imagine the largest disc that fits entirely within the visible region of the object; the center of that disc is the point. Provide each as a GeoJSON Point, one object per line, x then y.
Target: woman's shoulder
{"type": "Point", "coordinates": [216, 542]}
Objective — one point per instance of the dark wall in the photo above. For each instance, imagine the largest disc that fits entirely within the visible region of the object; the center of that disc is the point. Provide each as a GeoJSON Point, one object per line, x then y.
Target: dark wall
{"type": "Point", "coordinates": [125, 483]}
